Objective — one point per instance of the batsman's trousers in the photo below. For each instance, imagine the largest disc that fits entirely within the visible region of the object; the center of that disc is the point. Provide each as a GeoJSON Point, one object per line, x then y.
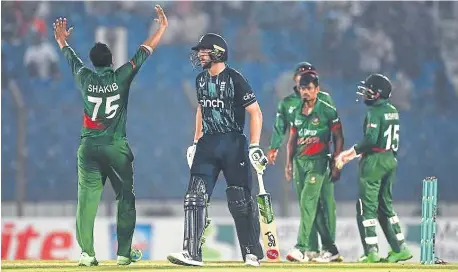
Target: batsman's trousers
{"type": "Point", "coordinates": [224, 152]}
{"type": "Point", "coordinates": [99, 158]}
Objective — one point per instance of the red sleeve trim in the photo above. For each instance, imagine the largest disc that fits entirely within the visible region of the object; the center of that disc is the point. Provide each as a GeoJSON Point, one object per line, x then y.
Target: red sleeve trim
{"type": "Point", "coordinates": [147, 49]}
{"type": "Point", "coordinates": [293, 130]}
{"type": "Point", "coordinates": [133, 64]}
{"type": "Point", "coordinates": [336, 126]}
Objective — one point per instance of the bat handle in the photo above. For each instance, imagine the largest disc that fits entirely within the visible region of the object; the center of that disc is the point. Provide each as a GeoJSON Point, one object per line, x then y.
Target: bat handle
{"type": "Point", "coordinates": [262, 190]}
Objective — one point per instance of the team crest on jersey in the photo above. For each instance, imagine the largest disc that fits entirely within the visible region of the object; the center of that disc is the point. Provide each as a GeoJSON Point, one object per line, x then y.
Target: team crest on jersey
{"type": "Point", "coordinates": [312, 180]}
{"type": "Point", "coordinates": [315, 121]}
{"type": "Point", "coordinates": [291, 109]}
{"type": "Point", "coordinates": [201, 82]}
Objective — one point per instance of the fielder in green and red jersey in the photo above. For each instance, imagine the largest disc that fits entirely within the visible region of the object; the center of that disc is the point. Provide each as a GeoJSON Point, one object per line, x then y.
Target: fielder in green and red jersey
{"type": "Point", "coordinates": [285, 115]}
{"type": "Point", "coordinates": [104, 151]}
{"type": "Point", "coordinates": [377, 170]}
{"type": "Point", "coordinates": [315, 122]}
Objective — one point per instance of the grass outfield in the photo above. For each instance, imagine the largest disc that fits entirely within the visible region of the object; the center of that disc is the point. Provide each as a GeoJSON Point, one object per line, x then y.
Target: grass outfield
{"type": "Point", "coordinates": [220, 266]}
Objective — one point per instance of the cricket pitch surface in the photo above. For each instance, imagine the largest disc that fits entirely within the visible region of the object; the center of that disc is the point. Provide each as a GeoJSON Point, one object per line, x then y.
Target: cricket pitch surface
{"type": "Point", "coordinates": [152, 266]}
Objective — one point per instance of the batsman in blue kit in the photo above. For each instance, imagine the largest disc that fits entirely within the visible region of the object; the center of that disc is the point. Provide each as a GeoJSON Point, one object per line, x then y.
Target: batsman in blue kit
{"type": "Point", "coordinates": [224, 97]}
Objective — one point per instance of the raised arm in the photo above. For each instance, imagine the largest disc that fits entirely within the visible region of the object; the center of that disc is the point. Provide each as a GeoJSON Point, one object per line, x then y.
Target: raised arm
{"type": "Point", "coordinates": [130, 69]}
{"type": "Point", "coordinates": [154, 39]}
{"type": "Point", "coordinates": [61, 34]}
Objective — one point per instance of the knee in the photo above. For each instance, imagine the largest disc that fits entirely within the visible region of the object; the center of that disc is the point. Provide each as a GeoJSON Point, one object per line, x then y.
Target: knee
{"type": "Point", "coordinates": [329, 203]}
{"type": "Point", "coordinates": [196, 194]}
{"type": "Point", "coordinates": [239, 201]}
{"type": "Point", "coordinates": [371, 222]}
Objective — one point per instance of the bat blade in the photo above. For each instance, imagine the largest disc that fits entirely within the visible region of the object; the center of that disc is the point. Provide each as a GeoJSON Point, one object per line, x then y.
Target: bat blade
{"type": "Point", "coordinates": [268, 227]}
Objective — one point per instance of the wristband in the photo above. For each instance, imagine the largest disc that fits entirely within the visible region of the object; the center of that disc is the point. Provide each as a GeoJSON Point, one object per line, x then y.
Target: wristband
{"type": "Point", "coordinates": [253, 145]}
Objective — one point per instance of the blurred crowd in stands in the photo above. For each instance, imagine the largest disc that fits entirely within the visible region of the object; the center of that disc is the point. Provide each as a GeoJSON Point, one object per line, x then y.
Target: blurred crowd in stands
{"type": "Point", "coordinates": [407, 41]}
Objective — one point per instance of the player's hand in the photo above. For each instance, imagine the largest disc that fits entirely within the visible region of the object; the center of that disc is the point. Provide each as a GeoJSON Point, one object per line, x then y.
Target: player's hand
{"type": "Point", "coordinates": [335, 174]}
{"type": "Point", "coordinates": [61, 33]}
{"type": "Point", "coordinates": [272, 156]}
{"type": "Point", "coordinates": [289, 171]}
{"type": "Point", "coordinates": [190, 154]}
{"type": "Point", "coordinates": [257, 158]}
{"type": "Point", "coordinates": [161, 18]}
{"type": "Point", "coordinates": [345, 157]}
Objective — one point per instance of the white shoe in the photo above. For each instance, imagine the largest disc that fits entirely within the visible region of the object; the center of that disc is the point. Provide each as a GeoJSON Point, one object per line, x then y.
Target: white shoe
{"type": "Point", "coordinates": [86, 260]}
{"type": "Point", "coordinates": [252, 260]}
{"type": "Point", "coordinates": [295, 255]}
{"type": "Point", "coordinates": [183, 258]}
{"type": "Point", "coordinates": [311, 254]}
{"type": "Point", "coordinates": [326, 257]}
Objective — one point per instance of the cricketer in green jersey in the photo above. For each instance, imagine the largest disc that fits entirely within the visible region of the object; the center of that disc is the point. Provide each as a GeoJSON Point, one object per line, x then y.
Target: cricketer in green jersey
{"type": "Point", "coordinates": [285, 115]}
{"type": "Point", "coordinates": [377, 170]}
{"type": "Point", "coordinates": [314, 123]}
{"type": "Point", "coordinates": [104, 150]}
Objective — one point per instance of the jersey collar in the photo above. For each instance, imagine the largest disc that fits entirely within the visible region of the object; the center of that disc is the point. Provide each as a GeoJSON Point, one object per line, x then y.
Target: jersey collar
{"type": "Point", "coordinates": [379, 102]}
{"type": "Point", "coordinates": [318, 101]}
{"type": "Point", "coordinates": [102, 70]}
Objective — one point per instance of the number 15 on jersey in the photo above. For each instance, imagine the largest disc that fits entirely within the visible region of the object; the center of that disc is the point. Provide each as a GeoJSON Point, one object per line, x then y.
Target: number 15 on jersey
{"type": "Point", "coordinates": [392, 137]}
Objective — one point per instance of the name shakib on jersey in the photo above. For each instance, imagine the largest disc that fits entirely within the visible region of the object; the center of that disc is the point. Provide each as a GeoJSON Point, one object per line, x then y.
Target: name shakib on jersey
{"type": "Point", "coordinates": [102, 89]}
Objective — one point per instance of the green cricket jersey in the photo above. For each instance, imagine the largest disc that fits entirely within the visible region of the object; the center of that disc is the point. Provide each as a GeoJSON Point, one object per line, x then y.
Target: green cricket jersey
{"type": "Point", "coordinates": [105, 93]}
{"type": "Point", "coordinates": [285, 115]}
{"type": "Point", "coordinates": [381, 129]}
{"type": "Point", "coordinates": [314, 130]}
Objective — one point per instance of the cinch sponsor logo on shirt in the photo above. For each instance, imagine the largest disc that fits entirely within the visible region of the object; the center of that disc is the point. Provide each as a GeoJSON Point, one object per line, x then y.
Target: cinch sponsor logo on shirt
{"type": "Point", "coordinates": [102, 89]}
{"type": "Point", "coordinates": [248, 96]}
{"type": "Point", "coordinates": [212, 103]}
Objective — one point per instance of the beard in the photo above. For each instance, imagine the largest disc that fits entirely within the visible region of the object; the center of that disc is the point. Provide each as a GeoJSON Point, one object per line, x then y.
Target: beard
{"type": "Point", "coordinates": [206, 65]}
{"type": "Point", "coordinates": [307, 99]}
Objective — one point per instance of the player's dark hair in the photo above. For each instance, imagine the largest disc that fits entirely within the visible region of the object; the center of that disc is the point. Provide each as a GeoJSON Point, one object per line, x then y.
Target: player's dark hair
{"type": "Point", "coordinates": [307, 78]}
{"type": "Point", "coordinates": [100, 55]}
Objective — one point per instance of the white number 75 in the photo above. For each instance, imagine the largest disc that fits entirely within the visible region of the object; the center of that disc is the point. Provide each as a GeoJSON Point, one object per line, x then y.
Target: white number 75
{"type": "Point", "coordinates": [110, 108]}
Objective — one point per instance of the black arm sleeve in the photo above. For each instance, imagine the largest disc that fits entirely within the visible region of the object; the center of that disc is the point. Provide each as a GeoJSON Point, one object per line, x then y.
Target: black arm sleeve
{"type": "Point", "coordinates": [244, 94]}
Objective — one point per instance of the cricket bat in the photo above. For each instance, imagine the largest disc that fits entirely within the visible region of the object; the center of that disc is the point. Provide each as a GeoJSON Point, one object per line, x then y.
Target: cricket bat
{"type": "Point", "coordinates": [267, 222]}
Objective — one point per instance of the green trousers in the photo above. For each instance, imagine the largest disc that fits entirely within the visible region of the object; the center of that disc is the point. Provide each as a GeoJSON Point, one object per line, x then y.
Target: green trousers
{"type": "Point", "coordinates": [97, 160]}
{"type": "Point", "coordinates": [315, 194]}
{"type": "Point", "coordinates": [376, 176]}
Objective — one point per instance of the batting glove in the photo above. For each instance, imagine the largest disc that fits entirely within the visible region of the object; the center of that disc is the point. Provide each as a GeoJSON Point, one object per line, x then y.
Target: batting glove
{"type": "Point", "coordinates": [190, 153]}
{"type": "Point", "coordinates": [257, 158]}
